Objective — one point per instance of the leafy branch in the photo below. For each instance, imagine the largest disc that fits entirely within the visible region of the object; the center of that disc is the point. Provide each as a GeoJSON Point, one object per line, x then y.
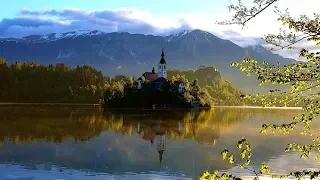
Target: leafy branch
{"type": "Point", "coordinates": [243, 14]}
{"type": "Point", "coordinates": [303, 79]}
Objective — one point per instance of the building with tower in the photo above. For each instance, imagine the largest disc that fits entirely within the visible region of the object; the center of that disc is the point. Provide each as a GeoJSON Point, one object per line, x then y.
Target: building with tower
{"type": "Point", "coordinates": [157, 78]}
{"type": "Point", "coordinates": [160, 77]}
{"type": "Point", "coordinates": [162, 68]}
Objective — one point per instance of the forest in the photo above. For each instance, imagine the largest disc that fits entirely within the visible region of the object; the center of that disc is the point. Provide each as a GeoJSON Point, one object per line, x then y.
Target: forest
{"type": "Point", "coordinates": [29, 82]}
{"type": "Point", "coordinates": [34, 83]}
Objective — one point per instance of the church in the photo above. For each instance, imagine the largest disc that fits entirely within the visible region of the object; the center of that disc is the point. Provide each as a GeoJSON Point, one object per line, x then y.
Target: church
{"type": "Point", "coordinates": [160, 77]}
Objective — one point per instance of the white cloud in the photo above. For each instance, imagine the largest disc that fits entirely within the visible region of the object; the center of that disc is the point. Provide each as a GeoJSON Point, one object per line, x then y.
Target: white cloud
{"type": "Point", "coordinates": [145, 22]}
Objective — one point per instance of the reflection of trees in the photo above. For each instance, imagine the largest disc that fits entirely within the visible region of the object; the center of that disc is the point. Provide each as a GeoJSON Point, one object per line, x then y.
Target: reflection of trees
{"type": "Point", "coordinates": [27, 125]}
{"type": "Point", "coordinates": [33, 124]}
{"type": "Point", "coordinates": [203, 126]}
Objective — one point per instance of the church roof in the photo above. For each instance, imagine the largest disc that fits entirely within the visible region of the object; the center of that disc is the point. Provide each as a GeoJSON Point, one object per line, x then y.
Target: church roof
{"type": "Point", "coordinates": [150, 76]}
{"type": "Point", "coordinates": [160, 79]}
{"type": "Point", "coordinates": [177, 82]}
{"type": "Point", "coordinates": [162, 60]}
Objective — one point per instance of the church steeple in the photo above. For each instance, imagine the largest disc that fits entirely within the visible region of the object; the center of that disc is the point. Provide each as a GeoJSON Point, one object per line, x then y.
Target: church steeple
{"type": "Point", "coordinates": [162, 69]}
{"type": "Point", "coordinates": [160, 144]}
{"type": "Point", "coordinates": [162, 60]}
{"type": "Point", "coordinates": [160, 156]}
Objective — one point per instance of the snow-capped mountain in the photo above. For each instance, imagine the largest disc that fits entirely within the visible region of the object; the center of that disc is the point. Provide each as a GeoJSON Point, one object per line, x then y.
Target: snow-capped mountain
{"type": "Point", "coordinates": [55, 36]}
{"type": "Point", "coordinates": [272, 57]}
{"type": "Point", "coordinates": [113, 46]}
{"type": "Point", "coordinates": [130, 54]}
{"type": "Point", "coordinates": [257, 48]}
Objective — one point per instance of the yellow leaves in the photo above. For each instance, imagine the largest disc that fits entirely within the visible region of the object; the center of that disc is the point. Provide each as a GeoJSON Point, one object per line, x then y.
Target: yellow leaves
{"type": "Point", "coordinates": [216, 176]}
{"type": "Point", "coordinates": [264, 168]}
{"type": "Point", "coordinates": [261, 84]}
{"type": "Point", "coordinates": [231, 159]}
{"type": "Point", "coordinates": [234, 64]}
{"type": "Point", "coordinates": [224, 154]}
{"type": "Point", "coordinates": [303, 156]}
{"type": "Point", "coordinates": [216, 173]}
{"type": "Point", "coordinates": [204, 176]}
{"type": "Point", "coordinates": [243, 154]}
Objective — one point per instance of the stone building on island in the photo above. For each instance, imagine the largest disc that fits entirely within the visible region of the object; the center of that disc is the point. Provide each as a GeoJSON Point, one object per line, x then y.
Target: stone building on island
{"type": "Point", "coordinates": [159, 78]}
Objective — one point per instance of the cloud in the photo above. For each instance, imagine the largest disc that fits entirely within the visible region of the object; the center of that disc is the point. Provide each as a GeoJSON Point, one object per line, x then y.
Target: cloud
{"type": "Point", "coordinates": [108, 20]}
{"type": "Point", "coordinates": [48, 21]}
{"type": "Point", "coordinates": [31, 22]}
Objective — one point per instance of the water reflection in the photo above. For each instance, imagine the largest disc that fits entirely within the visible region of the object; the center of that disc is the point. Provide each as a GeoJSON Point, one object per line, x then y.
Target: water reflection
{"type": "Point", "coordinates": [170, 142]}
{"type": "Point", "coordinates": [204, 126]}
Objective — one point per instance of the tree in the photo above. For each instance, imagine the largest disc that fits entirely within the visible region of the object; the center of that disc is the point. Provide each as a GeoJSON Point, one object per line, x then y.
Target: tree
{"type": "Point", "coordinates": [195, 89]}
{"type": "Point", "coordinates": [302, 77]}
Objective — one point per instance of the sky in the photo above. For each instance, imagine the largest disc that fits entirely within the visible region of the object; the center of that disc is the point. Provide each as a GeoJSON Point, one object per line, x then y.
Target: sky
{"type": "Point", "coordinates": [29, 17]}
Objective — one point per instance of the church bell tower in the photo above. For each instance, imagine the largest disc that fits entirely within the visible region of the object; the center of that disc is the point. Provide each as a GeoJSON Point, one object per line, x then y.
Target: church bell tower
{"type": "Point", "coordinates": [162, 68]}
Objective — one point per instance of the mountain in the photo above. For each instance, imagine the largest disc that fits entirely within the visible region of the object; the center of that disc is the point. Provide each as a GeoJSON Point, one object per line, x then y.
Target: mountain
{"type": "Point", "coordinates": [267, 54]}
{"type": "Point", "coordinates": [131, 54]}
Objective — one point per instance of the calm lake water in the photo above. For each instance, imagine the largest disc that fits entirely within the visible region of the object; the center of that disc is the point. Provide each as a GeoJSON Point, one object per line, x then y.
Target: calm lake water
{"type": "Point", "coordinates": [87, 143]}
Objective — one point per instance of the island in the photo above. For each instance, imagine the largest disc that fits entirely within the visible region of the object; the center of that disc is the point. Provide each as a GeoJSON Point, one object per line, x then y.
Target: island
{"type": "Point", "coordinates": [154, 90]}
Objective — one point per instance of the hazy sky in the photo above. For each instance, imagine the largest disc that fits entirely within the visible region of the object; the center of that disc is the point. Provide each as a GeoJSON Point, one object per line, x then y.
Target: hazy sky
{"type": "Point", "coordinates": [24, 17]}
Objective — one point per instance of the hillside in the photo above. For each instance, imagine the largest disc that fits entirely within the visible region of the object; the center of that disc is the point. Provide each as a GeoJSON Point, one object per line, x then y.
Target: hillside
{"type": "Point", "coordinates": [210, 80]}
{"type": "Point", "coordinates": [131, 54]}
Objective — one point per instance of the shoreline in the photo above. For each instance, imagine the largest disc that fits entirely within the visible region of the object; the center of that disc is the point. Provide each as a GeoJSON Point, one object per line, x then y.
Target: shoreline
{"type": "Point", "coordinates": [257, 107]}
{"type": "Point", "coordinates": [95, 105]}
{"type": "Point", "coordinates": [48, 104]}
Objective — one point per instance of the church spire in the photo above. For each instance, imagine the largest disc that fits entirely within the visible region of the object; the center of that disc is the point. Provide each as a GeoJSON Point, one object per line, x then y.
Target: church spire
{"type": "Point", "coordinates": [160, 156]}
{"type": "Point", "coordinates": [162, 61]}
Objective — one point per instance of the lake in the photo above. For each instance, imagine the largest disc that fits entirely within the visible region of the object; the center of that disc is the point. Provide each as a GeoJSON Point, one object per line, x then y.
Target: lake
{"type": "Point", "coordinates": [44, 142]}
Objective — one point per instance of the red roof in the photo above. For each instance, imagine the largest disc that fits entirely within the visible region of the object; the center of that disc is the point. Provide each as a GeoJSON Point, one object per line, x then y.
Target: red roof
{"type": "Point", "coordinates": [177, 82]}
{"type": "Point", "coordinates": [150, 76]}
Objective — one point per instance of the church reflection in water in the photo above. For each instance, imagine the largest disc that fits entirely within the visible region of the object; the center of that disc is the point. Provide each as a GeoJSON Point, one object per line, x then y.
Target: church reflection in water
{"type": "Point", "coordinates": [58, 125]}
{"type": "Point", "coordinates": [123, 141]}
{"type": "Point", "coordinates": [200, 126]}
{"type": "Point", "coordinates": [160, 144]}
{"type": "Point", "coordinates": [204, 126]}
{"type": "Point", "coordinates": [158, 138]}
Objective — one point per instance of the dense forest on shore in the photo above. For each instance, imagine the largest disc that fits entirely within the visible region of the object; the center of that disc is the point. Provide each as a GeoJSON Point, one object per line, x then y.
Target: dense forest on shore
{"type": "Point", "coordinates": [29, 82]}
